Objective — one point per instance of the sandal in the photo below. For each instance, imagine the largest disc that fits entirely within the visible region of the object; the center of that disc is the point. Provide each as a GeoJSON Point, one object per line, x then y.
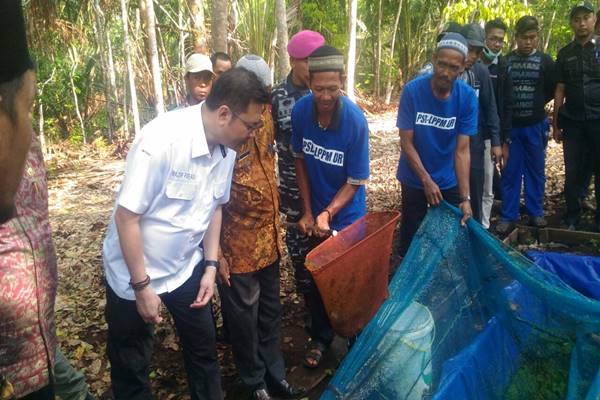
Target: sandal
{"type": "Point", "coordinates": [313, 356]}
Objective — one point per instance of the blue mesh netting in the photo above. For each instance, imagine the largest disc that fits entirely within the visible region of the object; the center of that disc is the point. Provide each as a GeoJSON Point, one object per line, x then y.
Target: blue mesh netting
{"type": "Point", "coordinates": [470, 318]}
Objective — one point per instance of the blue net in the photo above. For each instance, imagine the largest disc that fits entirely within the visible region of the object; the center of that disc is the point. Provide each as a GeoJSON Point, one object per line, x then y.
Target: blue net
{"type": "Point", "coordinates": [470, 318]}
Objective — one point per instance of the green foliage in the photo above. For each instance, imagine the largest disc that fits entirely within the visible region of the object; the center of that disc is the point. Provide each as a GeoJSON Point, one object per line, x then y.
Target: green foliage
{"type": "Point", "coordinates": [257, 27]}
{"type": "Point", "coordinates": [329, 17]}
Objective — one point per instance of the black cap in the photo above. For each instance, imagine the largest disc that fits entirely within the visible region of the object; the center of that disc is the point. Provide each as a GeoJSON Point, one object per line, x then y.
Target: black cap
{"type": "Point", "coordinates": [474, 34]}
{"type": "Point", "coordinates": [13, 42]}
{"type": "Point", "coordinates": [583, 6]}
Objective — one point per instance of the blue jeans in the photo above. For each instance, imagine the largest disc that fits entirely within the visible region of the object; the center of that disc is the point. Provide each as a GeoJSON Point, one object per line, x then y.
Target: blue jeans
{"type": "Point", "coordinates": [526, 162]}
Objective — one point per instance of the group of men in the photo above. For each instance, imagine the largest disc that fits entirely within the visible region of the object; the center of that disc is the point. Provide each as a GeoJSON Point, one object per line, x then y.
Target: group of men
{"type": "Point", "coordinates": [201, 197]}
{"type": "Point", "coordinates": [199, 202]}
{"type": "Point", "coordinates": [473, 113]}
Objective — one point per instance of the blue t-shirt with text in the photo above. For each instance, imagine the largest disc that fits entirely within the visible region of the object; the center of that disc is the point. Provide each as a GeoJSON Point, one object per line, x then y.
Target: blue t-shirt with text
{"type": "Point", "coordinates": [436, 125]}
{"type": "Point", "coordinates": [333, 155]}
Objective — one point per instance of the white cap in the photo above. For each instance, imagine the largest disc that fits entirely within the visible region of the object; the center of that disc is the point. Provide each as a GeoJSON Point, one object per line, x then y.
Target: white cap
{"type": "Point", "coordinates": [198, 62]}
{"type": "Point", "coordinates": [256, 64]}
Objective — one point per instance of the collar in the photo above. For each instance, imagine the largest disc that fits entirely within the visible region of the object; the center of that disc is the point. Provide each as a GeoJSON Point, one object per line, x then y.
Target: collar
{"type": "Point", "coordinates": [293, 87]}
{"type": "Point", "coordinates": [335, 118]}
{"type": "Point", "coordinates": [199, 145]}
{"type": "Point", "coordinates": [592, 42]}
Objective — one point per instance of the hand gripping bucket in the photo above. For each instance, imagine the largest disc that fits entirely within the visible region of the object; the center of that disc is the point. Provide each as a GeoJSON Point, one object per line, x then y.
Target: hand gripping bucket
{"type": "Point", "coordinates": [351, 270]}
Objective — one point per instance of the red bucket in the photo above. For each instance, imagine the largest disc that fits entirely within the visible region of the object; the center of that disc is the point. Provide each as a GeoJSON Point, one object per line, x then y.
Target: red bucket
{"type": "Point", "coordinates": [351, 270]}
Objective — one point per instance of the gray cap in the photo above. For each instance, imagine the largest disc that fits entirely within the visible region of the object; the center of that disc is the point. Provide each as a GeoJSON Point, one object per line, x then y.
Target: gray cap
{"type": "Point", "coordinates": [474, 34]}
{"type": "Point", "coordinates": [454, 41]}
{"type": "Point", "coordinates": [256, 64]}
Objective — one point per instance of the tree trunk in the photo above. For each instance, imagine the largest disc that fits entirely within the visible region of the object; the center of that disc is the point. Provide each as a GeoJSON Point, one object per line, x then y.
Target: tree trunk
{"type": "Point", "coordinates": [147, 7]}
{"type": "Point", "coordinates": [547, 41]}
{"type": "Point", "coordinates": [130, 70]}
{"type": "Point", "coordinates": [219, 25]}
{"type": "Point", "coordinates": [378, 60]}
{"type": "Point", "coordinates": [283, 64]}
{"type": "Point", "coordinates": [74, 62]}
{"type": "Point", "coordinates": [388, 85]}
{"type": "Point", "coordinates": [101, 40]}
{"type": "Point", "coordinates": [351, 49]}
{"type": "Point", "coordinates": [198, 26]}
{"type": "Point", "coordinates": [112, 80]}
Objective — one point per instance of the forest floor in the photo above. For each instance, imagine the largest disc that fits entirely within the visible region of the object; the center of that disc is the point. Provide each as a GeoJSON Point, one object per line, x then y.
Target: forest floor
{"type": "Point", "coordinates": [83, 185]}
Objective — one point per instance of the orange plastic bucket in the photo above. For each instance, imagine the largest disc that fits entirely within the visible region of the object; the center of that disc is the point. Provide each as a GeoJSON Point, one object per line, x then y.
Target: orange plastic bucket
{"type": "Point", "coordinates": [351, 270]}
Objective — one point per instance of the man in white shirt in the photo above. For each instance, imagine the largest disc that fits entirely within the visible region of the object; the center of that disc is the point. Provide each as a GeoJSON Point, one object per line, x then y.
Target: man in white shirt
{"type": "Point", "coordinates": [177, 178]}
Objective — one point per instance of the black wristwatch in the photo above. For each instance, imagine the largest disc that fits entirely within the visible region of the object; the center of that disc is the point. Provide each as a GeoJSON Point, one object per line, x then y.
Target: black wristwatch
{"type": "Point", "coordinates": [211, 263]}
{"type": "Point", "coordinates": [462, 199]}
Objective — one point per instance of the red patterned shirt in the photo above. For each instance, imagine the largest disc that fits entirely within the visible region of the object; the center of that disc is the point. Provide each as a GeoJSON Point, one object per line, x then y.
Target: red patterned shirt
{"type": "Point", "coordinates": [28, 284]}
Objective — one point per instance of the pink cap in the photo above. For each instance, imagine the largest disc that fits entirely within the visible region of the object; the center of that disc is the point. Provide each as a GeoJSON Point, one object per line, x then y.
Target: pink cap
{"type": "Point", "coordinates": [303, 43]}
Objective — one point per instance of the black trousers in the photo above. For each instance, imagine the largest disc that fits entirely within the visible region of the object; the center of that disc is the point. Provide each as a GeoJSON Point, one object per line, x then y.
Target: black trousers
{"type": "Point", "coordinates": [130, 343]}
{"type": "Point", "coordinates": [253, 314]}
{"type": "Point", "coordinates": [414, 209]}
{"type": "Point", "coordinates": [579, 139]}
{"type": "Point", "coordinates": [45, 393]}
{"type": "Point", "coordinates": [476, 178]}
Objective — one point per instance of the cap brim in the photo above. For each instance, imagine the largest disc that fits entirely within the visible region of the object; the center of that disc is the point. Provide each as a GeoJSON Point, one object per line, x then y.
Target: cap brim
{"type": "Point", "coordinates": [475, 43]}
{"type": "Point", "coordinates": [580, 8]}
{"type": "Point", "coordinates": [200, 70]}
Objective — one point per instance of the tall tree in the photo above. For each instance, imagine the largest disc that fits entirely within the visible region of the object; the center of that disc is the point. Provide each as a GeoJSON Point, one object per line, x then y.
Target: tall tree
{"type": "Point", "coordinates": [198, 26]}
{"type": "Point", "coordinates": [351, 49]}
{"type": "Point", "coordinates": [378, 58]}
{"type": "Point", "coordinates": [388, 85]}
{"type": "Point", "coordinates": [283, 62]}
{"type": "Point", "coordinates": [147, 7]}
{"type": "Point", "coordinates": [130, 70]}
{"type": "Point", "coordinates": [219, 25]}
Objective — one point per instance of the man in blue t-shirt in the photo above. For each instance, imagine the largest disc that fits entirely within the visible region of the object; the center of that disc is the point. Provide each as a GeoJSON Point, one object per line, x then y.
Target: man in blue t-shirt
{"type": "Point", "coordinates": [437, 114]}
{"type": "Point", "coordinates": [330, 140]}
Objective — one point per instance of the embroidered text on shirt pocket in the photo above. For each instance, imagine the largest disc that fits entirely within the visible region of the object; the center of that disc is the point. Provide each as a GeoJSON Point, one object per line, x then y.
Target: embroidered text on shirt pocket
{"type": "Point", "coordinates": [181, 190]}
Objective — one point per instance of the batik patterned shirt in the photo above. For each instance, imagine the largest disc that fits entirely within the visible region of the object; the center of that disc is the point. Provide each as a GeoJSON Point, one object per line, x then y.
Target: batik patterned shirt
{"type": "Point", "coordinates": [250, 232]}
{"type": "Point", "coordinates": [28, 283]}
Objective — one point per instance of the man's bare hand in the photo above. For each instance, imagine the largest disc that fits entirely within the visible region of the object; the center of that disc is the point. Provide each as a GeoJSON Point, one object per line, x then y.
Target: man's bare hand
{"type": "Point", "coordinates": [505, 154]}
{"type": "Point", "coordinates": [498, 156]}
{"type": "Point", "coordinates": [306, 225]}
{"type": "Point", "coordinates": [148, 304]}
{"type": "Point", "coordinates": [432, 192]}
{"type": "Point", "coordinates": [224, 272]}
{"type": "Point", "coordinates": [207, 288]}
{"type": "Point", "coordinates": [322, 224]}
{"type": "Point", "coordinates": [465, 207]}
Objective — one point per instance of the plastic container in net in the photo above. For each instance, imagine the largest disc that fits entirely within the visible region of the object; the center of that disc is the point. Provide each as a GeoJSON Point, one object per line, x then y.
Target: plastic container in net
{"type": "Point", "coordinates": [351, 270]}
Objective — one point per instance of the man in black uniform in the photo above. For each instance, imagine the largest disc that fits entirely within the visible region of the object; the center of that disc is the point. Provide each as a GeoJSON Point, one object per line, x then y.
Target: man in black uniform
{"type": "Point", "coordinates": [577, 107]}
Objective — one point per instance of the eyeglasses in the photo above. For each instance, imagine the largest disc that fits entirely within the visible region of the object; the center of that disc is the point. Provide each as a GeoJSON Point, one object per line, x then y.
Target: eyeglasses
{"type": "Point", "coordinates": [497, 40]}
{"type": "Point", "coordinates": [248, 125]}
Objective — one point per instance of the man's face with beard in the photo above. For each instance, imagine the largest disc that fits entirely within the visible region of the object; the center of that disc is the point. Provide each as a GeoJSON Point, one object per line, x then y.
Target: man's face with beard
{"type": "Point", "coordinates": [582, 23]}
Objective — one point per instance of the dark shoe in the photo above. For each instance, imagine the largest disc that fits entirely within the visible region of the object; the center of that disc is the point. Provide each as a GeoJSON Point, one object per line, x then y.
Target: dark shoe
{"type": "Point", "coordinates": [505, 227]}
{"type": "Point", "coordinates": [284, 390]}
{"type": "Point", "coordinates": [261, 394]}
{"type": "Point", "coordinates": [538, 222]}
{"type": "Point", "coordinates": [313, 356]}
{"type": "Point", "coordinates": [89, 396]}
{"type": "Point", "coordinates": [572, 224]}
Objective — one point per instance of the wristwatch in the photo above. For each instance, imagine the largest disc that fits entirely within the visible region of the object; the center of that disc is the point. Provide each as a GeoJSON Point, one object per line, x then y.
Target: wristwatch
{"type": "Point", "coordinates": [211, 263]}
{"type": "Point", "coordinates": [462, 199]}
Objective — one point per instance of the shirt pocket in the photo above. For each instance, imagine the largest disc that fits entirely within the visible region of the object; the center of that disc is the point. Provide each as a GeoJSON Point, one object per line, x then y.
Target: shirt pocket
{"type": "Point", "coordinates": [181, 190]}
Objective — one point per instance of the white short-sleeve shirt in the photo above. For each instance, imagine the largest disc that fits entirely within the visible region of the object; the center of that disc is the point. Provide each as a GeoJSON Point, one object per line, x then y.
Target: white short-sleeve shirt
{"type": "Point", "coordinates": [175, 184]}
